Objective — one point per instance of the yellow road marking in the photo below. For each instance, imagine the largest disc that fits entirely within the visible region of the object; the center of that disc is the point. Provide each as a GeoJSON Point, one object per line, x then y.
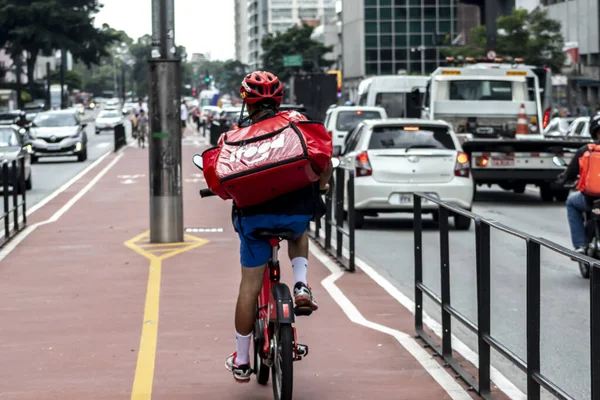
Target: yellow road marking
{"type": "Point", "coordinates": [144, 371]}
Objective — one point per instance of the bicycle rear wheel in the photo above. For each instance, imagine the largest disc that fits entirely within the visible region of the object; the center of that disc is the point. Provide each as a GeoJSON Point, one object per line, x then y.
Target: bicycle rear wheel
{"type": "Point", "coordinates": [283, 363]}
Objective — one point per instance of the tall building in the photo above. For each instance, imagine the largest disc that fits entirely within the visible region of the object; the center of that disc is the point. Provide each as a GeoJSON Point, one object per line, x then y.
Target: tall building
{"type": "Point", "coordinates": [382, 37]}
{"type": "Point", "coordinates": [273, 16]}
{"type": "Point", "coordinates": [241, 31]}
{"type": "Point", "coordinates": [580, 20]}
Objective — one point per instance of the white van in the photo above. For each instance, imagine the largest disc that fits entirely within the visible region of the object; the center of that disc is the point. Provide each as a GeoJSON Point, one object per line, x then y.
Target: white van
{"type": "Point", "coordinates": [339, 120]}
{"type": "Point", "coordinates": [392, 92]}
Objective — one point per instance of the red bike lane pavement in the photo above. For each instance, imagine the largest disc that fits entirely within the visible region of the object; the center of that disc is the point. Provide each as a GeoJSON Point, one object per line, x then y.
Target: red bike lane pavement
{"type": "Point", "coordinates": [91, 310]}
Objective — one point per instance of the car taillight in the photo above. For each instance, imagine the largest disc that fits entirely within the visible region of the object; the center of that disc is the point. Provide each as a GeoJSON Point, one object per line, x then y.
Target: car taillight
{"type": "Point", "coordinates": [546, 118]}
{"type": "Point", "coordinates": [461, 168]}
{"type": "Point", "coordinates": [363, 166]}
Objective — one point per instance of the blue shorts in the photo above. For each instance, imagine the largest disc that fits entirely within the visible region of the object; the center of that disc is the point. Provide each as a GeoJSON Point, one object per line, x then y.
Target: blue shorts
{"type": "Point", "coordinates": [256, 252]}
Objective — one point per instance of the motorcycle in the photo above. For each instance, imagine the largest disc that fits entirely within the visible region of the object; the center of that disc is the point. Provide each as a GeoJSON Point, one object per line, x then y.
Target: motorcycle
{"type": "Point", "coordinates": [591, 222]}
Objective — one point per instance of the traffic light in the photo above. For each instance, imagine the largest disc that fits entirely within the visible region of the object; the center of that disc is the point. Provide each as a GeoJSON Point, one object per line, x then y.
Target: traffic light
{"type": "Point", "coordinates": [194, 92]}
{"type": "Point", "coordinates": [207, 79]}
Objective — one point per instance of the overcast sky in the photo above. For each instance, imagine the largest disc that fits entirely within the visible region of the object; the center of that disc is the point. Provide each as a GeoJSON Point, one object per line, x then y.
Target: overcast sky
{"type": "Point", "coordinates": [200, 25]}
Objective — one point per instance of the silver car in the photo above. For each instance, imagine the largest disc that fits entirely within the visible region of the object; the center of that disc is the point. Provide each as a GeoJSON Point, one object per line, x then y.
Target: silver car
{"type": "Point", "coordinates": [107, 120]}
{"type": "Point", "coordinates": [12, 147]}
{"type": "Point", "coordinates": [57, 134]}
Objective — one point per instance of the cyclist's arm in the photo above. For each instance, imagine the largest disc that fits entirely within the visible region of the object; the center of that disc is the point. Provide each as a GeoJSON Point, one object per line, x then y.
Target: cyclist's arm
{"type": "Point", "coordinates": [325, 176]}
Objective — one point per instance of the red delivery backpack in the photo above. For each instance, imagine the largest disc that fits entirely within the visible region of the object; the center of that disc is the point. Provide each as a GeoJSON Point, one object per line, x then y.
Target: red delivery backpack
{"type": "Point", "coordinates": [267, 159]}
{"type": "Point", "coordinates": [589, 172]}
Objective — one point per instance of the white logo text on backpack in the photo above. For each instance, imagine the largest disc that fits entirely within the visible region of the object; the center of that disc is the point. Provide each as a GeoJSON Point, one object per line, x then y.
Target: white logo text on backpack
{"type": "Point", "coordinates": [262, 149]}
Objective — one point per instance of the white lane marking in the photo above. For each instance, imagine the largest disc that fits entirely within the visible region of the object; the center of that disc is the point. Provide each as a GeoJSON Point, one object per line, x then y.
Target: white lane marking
{"type": "Point", "coordinates": [64, 187]}
{"type": "Point", "coordinates": [437, 372]}
{"type": "Point", "coordinates": [59, 213]}
{"type": "Point", "coordinates": [103, 145]}
{"type": "Point", "coordinates": [501, 381]}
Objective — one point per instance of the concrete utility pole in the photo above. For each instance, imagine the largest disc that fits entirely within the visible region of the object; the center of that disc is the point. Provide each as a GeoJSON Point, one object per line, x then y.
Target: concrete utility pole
{"type": "Point", "coordinates": [166, 204]}
{"type": "Point", "coordinates": [492, 12]}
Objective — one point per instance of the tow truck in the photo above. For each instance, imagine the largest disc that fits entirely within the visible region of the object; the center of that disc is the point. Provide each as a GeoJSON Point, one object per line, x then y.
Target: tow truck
{"type": "Point", "coordinates": [497, 115]}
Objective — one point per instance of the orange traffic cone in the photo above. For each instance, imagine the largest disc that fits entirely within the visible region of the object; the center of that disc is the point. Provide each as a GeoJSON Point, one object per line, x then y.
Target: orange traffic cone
{"type": "Point", "coordinates": [522, 125]}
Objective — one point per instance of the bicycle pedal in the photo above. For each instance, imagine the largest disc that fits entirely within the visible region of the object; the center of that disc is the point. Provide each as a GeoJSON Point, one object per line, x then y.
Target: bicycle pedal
{"type": "Point", "coordinates": [303, 311]}
{"type": "Point", "coordinates": [301, 350]}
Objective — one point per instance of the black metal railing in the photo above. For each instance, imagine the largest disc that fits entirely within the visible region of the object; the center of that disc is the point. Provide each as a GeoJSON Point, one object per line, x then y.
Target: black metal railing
{"type": "Point", "coordinates": [535, 379]}
{"type": "Point", "coordinates": [333, 221]}
{"type": "Point", "coordinates": [13, 191]}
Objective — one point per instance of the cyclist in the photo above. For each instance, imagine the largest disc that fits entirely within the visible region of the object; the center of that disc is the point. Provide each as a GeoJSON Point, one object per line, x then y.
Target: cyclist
{"type": "Point", "coordinates": [578, 203]}
{"type": "Point", "coordinates": [263, 93]}
{"type": "Point", "coordinates": [142, 124]}
{"type": "Point", "coordinates": [135, 112]}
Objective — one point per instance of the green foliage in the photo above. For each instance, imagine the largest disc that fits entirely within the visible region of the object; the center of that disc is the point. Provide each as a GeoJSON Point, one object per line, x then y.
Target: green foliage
{"type": "Point", "coordinates": [532, 36]}
{"type": "Point", "coordinates": [41, 26]}
{"type": "Point", "coordinates": [25, 96]}
{"type": "Point", "coordinates": [295, 40]}
{"type": "Point", "coordinates": [72, 79]}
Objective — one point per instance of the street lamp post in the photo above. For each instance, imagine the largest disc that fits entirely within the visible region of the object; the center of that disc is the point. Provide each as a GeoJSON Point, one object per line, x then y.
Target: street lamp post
{"type": "Point", "coordinates": [166, 204]}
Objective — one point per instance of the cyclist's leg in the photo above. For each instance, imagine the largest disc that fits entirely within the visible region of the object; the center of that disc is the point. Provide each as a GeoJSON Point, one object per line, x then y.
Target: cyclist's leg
{"type": "Point", "coordinates": [254, 255]}
{"type": "Point", "coordinates": [298, 253]}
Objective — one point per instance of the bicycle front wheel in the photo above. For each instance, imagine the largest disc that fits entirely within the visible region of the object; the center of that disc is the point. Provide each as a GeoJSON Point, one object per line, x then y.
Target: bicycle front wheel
{"type": "Point", "coordinates": [283, 363]}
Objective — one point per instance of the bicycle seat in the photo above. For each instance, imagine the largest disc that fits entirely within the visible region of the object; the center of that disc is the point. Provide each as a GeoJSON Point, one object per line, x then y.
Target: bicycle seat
{"type": "Point", "coordinates": [274, 233]}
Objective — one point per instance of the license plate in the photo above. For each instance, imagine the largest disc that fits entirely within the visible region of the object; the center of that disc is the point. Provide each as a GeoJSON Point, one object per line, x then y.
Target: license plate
{"type": "Point", "coordinates": [503, 162]}
{"type": "Point", "coordinates": [107, 126]}
{"type": "Point", "coordinates": [54, 147]}
{"type": "Point", "coordinates": [404, 199]}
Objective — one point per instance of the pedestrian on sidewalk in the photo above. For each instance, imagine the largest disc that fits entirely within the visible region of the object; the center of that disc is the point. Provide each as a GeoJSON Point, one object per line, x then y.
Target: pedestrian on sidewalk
{"type": "Point", "coordinates": [184, 116]}
{"type": "Point", "coordinates": [142, 129]}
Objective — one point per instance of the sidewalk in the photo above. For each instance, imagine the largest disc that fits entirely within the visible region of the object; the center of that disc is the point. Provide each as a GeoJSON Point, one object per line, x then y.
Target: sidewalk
{"type": "Point", "coordinates": [90, 310]}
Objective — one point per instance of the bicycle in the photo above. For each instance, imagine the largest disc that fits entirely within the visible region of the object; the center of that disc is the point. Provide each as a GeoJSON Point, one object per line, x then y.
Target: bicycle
{"type": "Point", "coordinates": [274, 336]}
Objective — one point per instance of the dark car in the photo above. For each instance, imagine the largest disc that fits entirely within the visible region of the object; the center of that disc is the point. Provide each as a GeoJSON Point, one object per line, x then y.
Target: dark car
{"type": "Point", "coordinates": [12, 147]}
{"type": "Point", "coordinates": [57, 134]}
{"type": "Point", "coordinates": [9, 117]}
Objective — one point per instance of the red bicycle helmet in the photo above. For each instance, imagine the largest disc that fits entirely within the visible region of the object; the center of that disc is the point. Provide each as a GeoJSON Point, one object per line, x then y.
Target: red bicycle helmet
{"type": "Point", "coordinates": [260, 86]}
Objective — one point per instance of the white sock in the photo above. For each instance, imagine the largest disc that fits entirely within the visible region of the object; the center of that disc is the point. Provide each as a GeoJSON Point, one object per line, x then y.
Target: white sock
{"type": "Point", "coordinates": [300, 265]}
{"type": "Point", "coordinates": [242, 346]}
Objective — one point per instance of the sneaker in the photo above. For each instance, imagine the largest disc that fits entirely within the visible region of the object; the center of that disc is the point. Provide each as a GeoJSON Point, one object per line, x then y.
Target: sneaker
{"type": "Point", "coordinates": [241, 373]}
{"type": "Point", "coordinates": [303, 296]}
{"type": "Point", "coordinates": [581, 250]}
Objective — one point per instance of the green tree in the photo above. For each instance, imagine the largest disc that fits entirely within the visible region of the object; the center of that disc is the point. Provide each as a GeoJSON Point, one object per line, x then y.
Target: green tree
{"type": "Point", "coordinates": [532, 36]}
{"type": "Point", "coordinates": [295, 40]}
{"type": "Point", "coordinates": [140, 51]}
{"type": "Point", "coordinates": [41, 26]}
{"type": "Point", "coordinates": [72, 79]}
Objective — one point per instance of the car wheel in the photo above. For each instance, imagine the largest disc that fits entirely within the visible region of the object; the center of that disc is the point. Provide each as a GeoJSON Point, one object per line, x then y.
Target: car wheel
{"type": "Point", "coordinates": [82, 156]}
{"type": "Point", "coordinates": [461, 222]}
{"type": "Point", "coordinates": [561, 195]}
{"type": "Point", "coordinates": [29, 183]}
{"type": "Point", "coordinates": [546, 193]}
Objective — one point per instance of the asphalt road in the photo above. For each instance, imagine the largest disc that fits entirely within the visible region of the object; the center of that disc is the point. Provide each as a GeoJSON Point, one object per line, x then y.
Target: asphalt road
{"type": "Point", "coordinates": [386, 243]}
{"type": "Point", "coordinates": [51, 173]}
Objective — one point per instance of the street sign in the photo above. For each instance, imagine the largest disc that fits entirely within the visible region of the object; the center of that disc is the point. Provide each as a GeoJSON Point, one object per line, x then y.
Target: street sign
{"type": "Point", "coordinates": [491, 55]}
{"type": "Point", "coordinates": [294, 60]}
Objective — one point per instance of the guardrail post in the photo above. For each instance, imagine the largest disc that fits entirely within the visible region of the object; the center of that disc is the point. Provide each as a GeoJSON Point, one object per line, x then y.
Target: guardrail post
{"type": "Point", "coordinates": [482, 245]}
{"type": "Point", "coordinates": [339, 210]}
{"type": "Point", "coordinates": [5, 178]}
{"type": "Point", "coordinates": [595, 329]}
{"type": "Point", "coordinates": [16, 182]}
{"type": "Point", "coordinates": [418, 234]}
{"type": "Point", "coordinates": [329, 213]}
{"type": "Point", "coordinates": [533, 319]}
{"type": "Point", "coordinates": [445, 284]}
{"type": "Point", "coordinates": [351, 222]}
{"type": "Point", "coordinates": [24, 195]}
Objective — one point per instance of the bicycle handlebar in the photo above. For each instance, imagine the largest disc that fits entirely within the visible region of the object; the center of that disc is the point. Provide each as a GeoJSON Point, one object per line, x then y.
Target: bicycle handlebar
{"type": "Point", "coordinates": [206, 193]}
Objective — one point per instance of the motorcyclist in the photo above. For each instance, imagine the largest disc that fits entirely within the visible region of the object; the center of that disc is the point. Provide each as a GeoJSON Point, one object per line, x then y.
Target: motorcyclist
{"type": "Point", "coordinates": [22, 121]}
{"type": "Point", "coordinates": [579, 203]}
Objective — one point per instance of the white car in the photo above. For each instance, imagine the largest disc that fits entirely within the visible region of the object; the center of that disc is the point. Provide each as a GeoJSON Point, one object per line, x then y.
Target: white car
{"type": "Point", "coordinates": [107, 120]}
{"type": "Point", "coordinates": [339, 120]}
{"type": "Point", "coordinates": [579, 127]}
{"type": "Point", "coordinates": [394, 158]}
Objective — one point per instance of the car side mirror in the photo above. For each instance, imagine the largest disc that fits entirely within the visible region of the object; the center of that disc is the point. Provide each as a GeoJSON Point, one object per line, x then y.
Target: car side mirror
{"type": "Point", "coordinates": [197, 160]}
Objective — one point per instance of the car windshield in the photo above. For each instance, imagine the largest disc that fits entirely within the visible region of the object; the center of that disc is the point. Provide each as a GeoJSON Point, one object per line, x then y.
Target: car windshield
{"type": "Point", "coordinates": [404, 137]}
{"type": "Point", "coordinates": [54, 120]}
{"type": "Point", "coordinates": [480, 90]}
{"type": "Point", "coordinates": [347, 120]}
{"type": "Point", "coordinates": [8, 138]}
{"type": "Point", "coordinates": [114, 114]}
